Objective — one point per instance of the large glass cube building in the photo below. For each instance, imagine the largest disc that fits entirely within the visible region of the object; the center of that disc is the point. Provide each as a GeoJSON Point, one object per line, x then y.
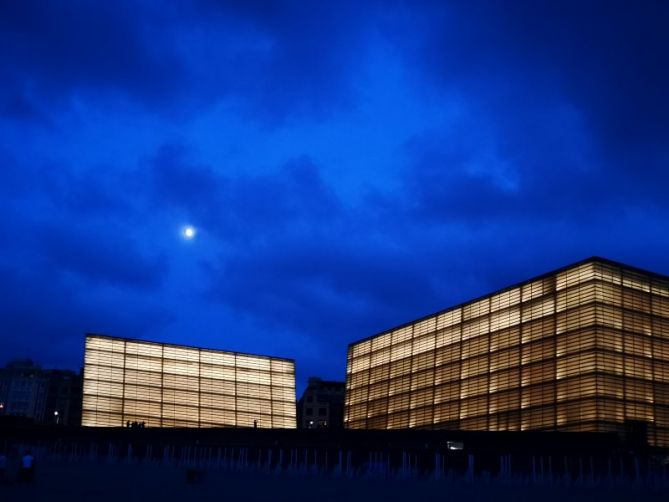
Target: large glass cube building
{"type": "Point", "coordinates": [166, 385]}
{"type": "Point", "coordinates": [583, 348]}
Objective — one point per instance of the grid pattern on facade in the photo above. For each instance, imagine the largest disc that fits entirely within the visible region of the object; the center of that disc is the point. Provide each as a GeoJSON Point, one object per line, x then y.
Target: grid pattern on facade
{"type": "Point", "coordinates": [166, 385]}
{"type": "Point", "coordinates": [583, 349]}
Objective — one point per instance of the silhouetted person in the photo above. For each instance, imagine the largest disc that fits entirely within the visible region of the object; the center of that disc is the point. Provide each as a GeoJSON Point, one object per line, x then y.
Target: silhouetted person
{"type": "Point", "coordinates": [127, 424]}
{"type": "Point", "coordinates": [27, 472]}
{"type": "Point", "coordinates": [255, 424]}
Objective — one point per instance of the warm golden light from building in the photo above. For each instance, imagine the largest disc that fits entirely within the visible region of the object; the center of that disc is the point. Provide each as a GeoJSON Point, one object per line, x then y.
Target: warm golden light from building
{"type": "Point", "coordinates": [166, 385]}
{"type": "Point", "coordinates": [582, 349]}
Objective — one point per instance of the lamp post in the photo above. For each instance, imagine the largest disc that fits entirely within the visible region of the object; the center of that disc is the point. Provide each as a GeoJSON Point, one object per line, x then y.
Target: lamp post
{"type": "Point", "coordinates": [57, 415]}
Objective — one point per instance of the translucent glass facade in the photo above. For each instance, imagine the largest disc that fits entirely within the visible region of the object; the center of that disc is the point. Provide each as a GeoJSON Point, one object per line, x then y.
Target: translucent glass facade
{"type": "Point", "coordinates": [175, 386]}
{"type": "Point", "coordinates": [585, 348]}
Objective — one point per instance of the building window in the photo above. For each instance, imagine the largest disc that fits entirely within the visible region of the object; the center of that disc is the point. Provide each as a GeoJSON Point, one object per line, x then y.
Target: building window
{"type": "Point", "coordinates": [322, 412]}
{"type": "Point", "coordinates": [309, 411]}
{"type": "Point", "coordinates": [310, 399]}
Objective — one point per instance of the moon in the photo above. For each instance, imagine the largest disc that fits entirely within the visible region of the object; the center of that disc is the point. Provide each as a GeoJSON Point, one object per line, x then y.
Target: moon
{"type": "Point", "coordinates": [188, 232]}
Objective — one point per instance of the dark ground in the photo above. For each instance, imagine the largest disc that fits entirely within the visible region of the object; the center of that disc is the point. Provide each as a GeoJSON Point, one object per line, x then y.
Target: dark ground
{"type": "Point", "coordinates": [122, 482]}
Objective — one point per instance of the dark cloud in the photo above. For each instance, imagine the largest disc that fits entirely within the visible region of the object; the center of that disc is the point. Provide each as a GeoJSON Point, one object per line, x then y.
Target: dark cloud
{"type": "Point", "coordinates": [44, 318]}
{"type": "Point", "coordinates": [69, 264]}
{"type": "Point", "coordinates": [100, 190]}
{"type": "Point", "coordinates": [451, 180]}
{"type": "Point", "coordinates": [564, 113]}
{"type": "Point", "coordinates": [56, 50]}
{"type": "Point", "coordinates": [15, 181]}
{"type": "Point", "coordinates": [549, 178]}
{"type": "Point", "coordinates": [101, 257]}
{"type": "Point", "coordinates": [16, 106]}
{"type": "Point", "coordinates": [322, 286]}
{"type": "Point", "coordinates": [304, 57]}
{"type": "Point", "coordinates": [241, 206]}
{"type": "Point", "coordinates": [177, 181]}
{"type": "Point", "coordinates": [330, 290]}
{"type": "Point", "coordinates": [276, 59]}
{"type": "Point", "coordinates": [605, 58]}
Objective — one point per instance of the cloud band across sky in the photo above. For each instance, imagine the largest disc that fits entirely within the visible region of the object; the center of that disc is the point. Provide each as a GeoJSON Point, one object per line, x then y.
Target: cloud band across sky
{"type": "Point", "coordinates": [348, 165]}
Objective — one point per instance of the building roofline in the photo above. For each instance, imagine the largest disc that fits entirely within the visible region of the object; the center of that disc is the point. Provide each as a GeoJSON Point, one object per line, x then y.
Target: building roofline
{"type": "Point", "coordinates": [327, 382]}
{"type": "Point", "coordinates": [590, 259]}
{"type": "Point", "coordinates": [183, 346]}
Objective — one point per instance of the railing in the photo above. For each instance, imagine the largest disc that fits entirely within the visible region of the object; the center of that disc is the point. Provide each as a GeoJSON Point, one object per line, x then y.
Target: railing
{"type": "Point", "coordinates": [448, 466]}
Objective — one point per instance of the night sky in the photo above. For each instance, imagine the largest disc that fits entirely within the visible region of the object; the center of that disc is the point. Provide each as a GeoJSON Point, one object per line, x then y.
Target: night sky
{"type": "Point", "coordinates": [348, 166]}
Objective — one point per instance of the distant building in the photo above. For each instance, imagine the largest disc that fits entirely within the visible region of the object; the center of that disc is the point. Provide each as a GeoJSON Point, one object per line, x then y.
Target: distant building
{"type": "Point", "coordinates": [42, 396]}
{"type": "Point", "coordinates": [23, 388]}
{"type": "Point", "coordinates": [322, 405]}
{"type": "Point", "coordinates": [165, 385]}
{"type": "Point", "coordinates": [582, 348]}
{"type": "Point", "coordinates": [63, 398]}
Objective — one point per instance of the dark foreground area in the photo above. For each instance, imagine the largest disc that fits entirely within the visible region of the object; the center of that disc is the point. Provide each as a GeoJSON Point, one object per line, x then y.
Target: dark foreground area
{"type": "Point", "coordinates": [56, 481]}
{"type": "Point", "coordinates": [128, 464]}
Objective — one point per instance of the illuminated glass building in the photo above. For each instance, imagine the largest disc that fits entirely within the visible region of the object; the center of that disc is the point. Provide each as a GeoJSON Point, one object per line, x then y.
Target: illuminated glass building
{"type": "Point", "coordinates": [167, 385]}
{"type": "Point", "coordinates": [583, 348]}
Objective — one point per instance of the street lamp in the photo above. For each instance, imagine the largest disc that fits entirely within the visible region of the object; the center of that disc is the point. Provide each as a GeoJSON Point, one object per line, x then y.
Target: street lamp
{"type": "Point", "coordinates": [55, 414]}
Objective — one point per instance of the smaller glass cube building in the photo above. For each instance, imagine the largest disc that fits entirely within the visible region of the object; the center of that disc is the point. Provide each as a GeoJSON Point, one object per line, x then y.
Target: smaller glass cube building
{"type": "Point", "coordinates": [583, 348]}
{"type": "Point", "coordinates": [165, 385]}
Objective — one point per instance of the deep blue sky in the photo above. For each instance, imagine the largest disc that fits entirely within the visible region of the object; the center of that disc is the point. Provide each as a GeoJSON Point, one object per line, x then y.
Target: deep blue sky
{"type": "Point", "coordinates": [349, 166]}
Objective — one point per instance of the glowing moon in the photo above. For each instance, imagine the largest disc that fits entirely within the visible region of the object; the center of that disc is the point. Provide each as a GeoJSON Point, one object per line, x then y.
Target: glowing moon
{"type": "Point", "coordinates": [188, 232]}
